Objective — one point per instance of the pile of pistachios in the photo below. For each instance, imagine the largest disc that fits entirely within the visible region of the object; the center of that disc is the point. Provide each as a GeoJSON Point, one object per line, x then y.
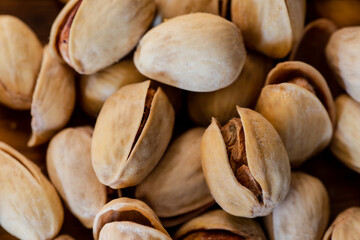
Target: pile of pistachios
{"type": "Point", "coordinates": [250, 76]}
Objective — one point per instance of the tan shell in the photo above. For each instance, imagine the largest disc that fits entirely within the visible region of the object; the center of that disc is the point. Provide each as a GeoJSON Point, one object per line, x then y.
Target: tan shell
{"type": "Point", "coordinates": [30, 206]}
{"type": "Point", "coordinates": [267, 162]}
{"type": "Point", "coordinates": [342, 52]}
{"type": "Point", "coordinates": [68, 162]}
{"type": "Point", "coordinates": [123, 212]}
{"type": "Point", "coordinates": [19, 64]}
{"type": "Point", "coordinates": [346, 226]}
{"type": "Point", "coordinates": [53, 100]}
{"type": "Point", "coordinates": [221, 220]}
{"type": "Point", "coordinates": [64, 237]}
{"type": "Point", "coordinates": [198, 52]}
{"type": "Point", "coordinates": [302, 121]}
{"type": "Point", "coordinates": [270, 27]}
{"type": "Point", "coordinates": [346, 140]}
{"type": "Point", "coordinates": [305, 211]}
{"type": "Point", "coordinates": [181, 163]}
{"type": "Point", "coordinates": [102, 32]}
{"type": "Point", "coordinates": [243, 92]}
{"type": "Point", "coordinates": [118, 161]}
{"type": "Point", "coordinates": [96, 88]}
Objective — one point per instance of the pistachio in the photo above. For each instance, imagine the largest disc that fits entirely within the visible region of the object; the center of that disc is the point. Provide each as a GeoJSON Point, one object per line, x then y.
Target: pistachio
{"type": "Point", "coordinates": [64, 237]}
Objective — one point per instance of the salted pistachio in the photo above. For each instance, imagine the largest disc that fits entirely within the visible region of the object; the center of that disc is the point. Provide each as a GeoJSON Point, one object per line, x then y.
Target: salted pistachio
{"type": "Point", "coordinates": [177, 187]}
{"type": "Point", "coordinates": [298, 103]}
{"type": "Point", "coordinates": [53, 100]}
{"type": "Point", "coordinates": [243, 92]}
{"type": "Point", "coordinates": [342, 52]}
{"type": "Point", "coordinates": [245, 164]}
{"type": "Point", "coordinates": [64, 237]}
{"type": "Point", "coordinates": [199, 52]}
{"type": "Point", "coordinates": [218, 224]}
{"type": "Point", "coordinates": [305, 211]}
{"type": "Point", "coordinates": [126, 218]}
{"type": "Point", "coordinates": [346, 140]}
{"type": "Point", "coordinates": [270, 27]}
{"type": "Point", "coordinates": [30, 206]}
{"type": "Point", "coordinates": [346, 226]}
{"type": "Point", "coordinates": [92, 35]}
{"type": "Point", "coordinates": [131, 134]}
{"type": "Point", "coordinates": [19, 64]}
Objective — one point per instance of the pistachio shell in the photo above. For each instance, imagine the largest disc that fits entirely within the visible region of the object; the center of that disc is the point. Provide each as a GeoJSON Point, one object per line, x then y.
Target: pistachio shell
{"type": "Point", "coordinates": [64, 237]}
{"type": "Point", "coordinates": [30, 206]}
{"type": "Point", "coordinates": [119, 159]}
{"type": "Point", "coordinates": [198, 52]}
{"type": "Point", "coordinates": [102, 32]}
{"type": "Point", "coordinates": [20, 61]}
{"type": "Point", "coordinates": [53, 100]}
{"type": "Point", "coordinates": [267, 162]}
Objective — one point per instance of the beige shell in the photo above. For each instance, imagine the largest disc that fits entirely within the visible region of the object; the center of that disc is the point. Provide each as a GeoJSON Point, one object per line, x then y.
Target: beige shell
{"type": "Point", "coordinates": [68, 162]}
{"type": "Point", "coordinates": [128, 218]}
{"type": "Point", "coordinates": [198, 52]}
{"type": "Point", "coordinates": [64, 237]}
{"type": "Point", "coordinates": [221, 220]}
{"type": "Point", "coordinates": [53, 100]}
{"type": "Point", "coordinates": [119, 160]}
{"type": "Point", "coordinates": [346, 140]}
{"type": "Point", "coordinates": [30, 206]}
{"type": "Point", "coordinates": [303, 121]}
{"type": "Point", "coordinates": [19, 64]}
{"type": "Point", "coordinates": [342, 52]}
{"type": "Point", "coordinates": [305, 211]}
{"type": "Point", "coordinates": [102, 32]}
{"type": "Point", "coordinates": [243, 92]}
{"type": "Point", "coordinates": [270, 27]}
{"type": "Point", "coordinates": [346, 226]}
{"type": "Point", "coordinates": [267, 162]}
{"type": "Point", "coordinates": [181, 163]}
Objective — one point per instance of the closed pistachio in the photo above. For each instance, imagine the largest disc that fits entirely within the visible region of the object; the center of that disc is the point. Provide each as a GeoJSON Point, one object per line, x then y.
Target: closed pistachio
{"type": "Point", "coordinates": [131, 134]}
{"type": "Point", "coordinates": [19, 64]}
{"type": "Point", "coordinates": [30, 206]}
{"type": "Point", "coordinates": [304, 214]}
{"type": "Point", "coordinates": [92, 35]}
{"type": "Point", "coordinates": [245, 165]}
{"type": "Point", "coordinates": [199, 52]}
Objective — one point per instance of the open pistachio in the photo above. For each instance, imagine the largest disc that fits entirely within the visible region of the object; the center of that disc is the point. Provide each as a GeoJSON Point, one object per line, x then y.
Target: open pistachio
{"type": "Point", "coordinates": [177, 187]}
{"type": "Point", "coordinates": [53, 100]}
{"type": "Point", "coordinates": [298, 103]}
{"type": "Point", "coordinates": [126, 218]}
{"type": "Point", "coordinates": [30, 206]}
{"type": "Point", "coordinates": [198, 52]}
{"type": "Point", "coordinates": [64, 237]}
{"type": "Point", "coordinates": [131, 134]}
{"type": "Point", "coordinates": [271, 27]}
{"type": "Point", "coordinates": [91, 35]}
{"type": "Point", "coordinates": [304, 214]}
{"type": "Point", "coordinates": [19, 64]}
{"type": "Point", "coordinates": [245, 164]}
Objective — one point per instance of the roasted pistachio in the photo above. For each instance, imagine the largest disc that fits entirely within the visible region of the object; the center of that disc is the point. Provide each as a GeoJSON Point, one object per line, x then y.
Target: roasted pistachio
{"type": "Point", "coordinates": [64, 237]}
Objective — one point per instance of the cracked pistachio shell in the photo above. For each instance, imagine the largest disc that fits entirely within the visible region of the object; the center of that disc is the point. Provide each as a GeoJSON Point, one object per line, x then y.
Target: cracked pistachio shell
{"type": "Point", "coordinates": [305, 211]}
{"type": "Point", "coordinates": [198, 52]}
{"type": "Point", "coordinates": [181, 163]}
{"type": "Point", "coordinates": [346, 141]}
{"type": "Point", "coordinates": [267, 161]}
{"type": "Point", "coordinates": [221, 104]}
{"type": "Point", "coordinates": [346, 226]}
{"type": "Point", "coordinates": [68, 162]}
{"type": "Point", "coordinates": [121, 157]}
{"type": "Point", "coordinates": [30, 206]}
{"type": "Point", "coordinates": [126, 218]}
{"type": "Point", "coordinates": [96, 88]}
{"type": "Point", "coordinates": [303, 120]}
{"type": "Point", "coordinates": [220, 220]}
{"type": "Point", "coordinates": [101, 32]}
{"type": "Point", "coordinates": [270, 27]}
{"type": "Point", "coordinates": [343, 55]}
{"type": "Point", "coordinates": [53, 100]}
{"type": "Point", "coordinates": [20, 61]}
{"type": "Point", "coordinates": [64, 237]}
